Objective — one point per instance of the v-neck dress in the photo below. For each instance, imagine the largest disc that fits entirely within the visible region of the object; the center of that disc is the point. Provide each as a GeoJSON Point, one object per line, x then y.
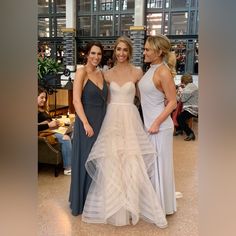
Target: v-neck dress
{"type": "Point", "coordinates": [94, 102]}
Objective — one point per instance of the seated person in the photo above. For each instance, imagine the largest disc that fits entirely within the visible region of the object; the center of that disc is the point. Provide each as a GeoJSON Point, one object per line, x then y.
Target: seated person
{"type": "Point", "coordinates": [45, 122]}
{"type": "Point", "coordinates": [178, 109]}
{"type": "Point", "coordinates": [108, 65]}
{"type": "Point", "coordinates": [189, 98]}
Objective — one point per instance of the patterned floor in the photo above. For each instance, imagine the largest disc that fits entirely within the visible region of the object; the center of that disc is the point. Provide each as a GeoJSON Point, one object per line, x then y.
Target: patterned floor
{"type": "Point", "coordinates": [54, 218]}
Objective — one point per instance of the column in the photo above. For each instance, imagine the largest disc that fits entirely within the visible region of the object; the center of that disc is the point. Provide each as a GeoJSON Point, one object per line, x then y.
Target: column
{"type": "Point", "coordinates": [69, 48]}
{"type": "Point", "coordinates": [189, 56]}
{"type": "Point", "coordinates": [138, 33]}
{"type": "Point", "coordinates": [69, 35]}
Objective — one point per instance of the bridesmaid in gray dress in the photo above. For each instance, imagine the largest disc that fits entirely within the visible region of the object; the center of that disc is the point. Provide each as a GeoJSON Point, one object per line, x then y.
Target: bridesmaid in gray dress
{"type": "Point", "coordinates": [156, 87]}
{"type": "Point", "coordinates": [89, 99]}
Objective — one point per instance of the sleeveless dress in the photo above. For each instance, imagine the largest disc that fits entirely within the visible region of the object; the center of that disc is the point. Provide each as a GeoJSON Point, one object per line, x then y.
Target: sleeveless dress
{"type": "Point", "coordinates": [120, 163]}
{"type": "Point", "coordinates": [94, 102]}
{"type": "Point", "coordinates": [152, 103]}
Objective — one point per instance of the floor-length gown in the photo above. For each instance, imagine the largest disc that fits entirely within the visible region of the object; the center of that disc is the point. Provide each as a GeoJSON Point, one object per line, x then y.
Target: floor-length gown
{"type": "Point", "coordinates": [120, 163]}
{"type": "Point", "coordinates": [152, 102]}
{"type": "Point", "coordinates": [94, 102]}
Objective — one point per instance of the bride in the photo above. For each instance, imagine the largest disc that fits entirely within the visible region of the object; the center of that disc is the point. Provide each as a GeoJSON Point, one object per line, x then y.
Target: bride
{"type": "Point", "coordinates": [122, 159]}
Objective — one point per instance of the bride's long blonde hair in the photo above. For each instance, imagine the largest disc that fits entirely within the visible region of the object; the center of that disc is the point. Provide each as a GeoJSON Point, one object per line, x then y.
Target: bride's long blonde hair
{"type": "Point", "coordinates": [128, 43]}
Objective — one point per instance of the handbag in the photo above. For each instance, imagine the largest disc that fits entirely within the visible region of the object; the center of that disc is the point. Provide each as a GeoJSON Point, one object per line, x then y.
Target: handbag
{"type": "Point", "coordinates": [176, 112]}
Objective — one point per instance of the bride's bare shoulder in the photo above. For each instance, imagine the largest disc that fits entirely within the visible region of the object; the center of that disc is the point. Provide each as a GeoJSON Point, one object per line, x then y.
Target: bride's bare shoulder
{"type": "Point", "coordinates": [108, 74]}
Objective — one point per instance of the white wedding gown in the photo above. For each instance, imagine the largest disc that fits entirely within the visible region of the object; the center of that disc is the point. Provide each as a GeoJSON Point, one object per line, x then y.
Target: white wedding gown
{"type": "Point", "coordinates": [121, 164]}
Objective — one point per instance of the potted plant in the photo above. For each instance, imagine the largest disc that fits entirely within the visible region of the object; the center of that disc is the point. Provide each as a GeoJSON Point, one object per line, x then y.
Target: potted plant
{"type": "Point", "coordinates": [48, 69]}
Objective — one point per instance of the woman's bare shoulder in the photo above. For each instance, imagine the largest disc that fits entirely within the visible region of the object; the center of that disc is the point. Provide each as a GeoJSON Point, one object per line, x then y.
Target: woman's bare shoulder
{"type": "Point", "coordinates": [138, 72]}
{"type": "Point", "coordinates": [165, 73]}
{"type": "Point", "coordinates": [80, 73]}
{"type": "Point", "coordinates": [81, 70]}
{"type": "Point", "coordinates": [108, 74]}
{"type": "Point", "coordinates": [162, 72]}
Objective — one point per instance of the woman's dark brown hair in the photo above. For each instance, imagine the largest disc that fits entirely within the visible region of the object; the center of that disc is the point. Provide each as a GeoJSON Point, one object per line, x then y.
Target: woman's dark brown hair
{"type": "Point", "coordinates": [89, 46]}
{"type": "Point", "coordinates": [42, 90]}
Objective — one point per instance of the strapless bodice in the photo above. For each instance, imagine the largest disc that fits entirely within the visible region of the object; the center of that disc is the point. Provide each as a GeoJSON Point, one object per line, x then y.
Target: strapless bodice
{"type": "Point", "coordinates": [123, 94]}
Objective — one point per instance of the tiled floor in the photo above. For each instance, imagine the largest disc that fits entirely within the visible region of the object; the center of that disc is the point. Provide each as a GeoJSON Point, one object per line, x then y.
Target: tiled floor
{"type": "Point", "coordinates": [55, 219]}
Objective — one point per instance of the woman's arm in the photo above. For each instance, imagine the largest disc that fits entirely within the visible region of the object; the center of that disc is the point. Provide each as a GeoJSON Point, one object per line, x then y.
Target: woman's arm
{"type": "Point", "coordinates": [54, 124]}
{"type": "Point", "coordinates": [107, 79]}
{"type": "Point", "coordinates": [164, 78]}
{"type": "Point", "coordinates": [139, 76]}
{"type": "Point", "coordinates": [42, 127]}
{"type": "Point", "coordinates": [77, 93]}
{"type": "Point", "coordinates": [44, 122]}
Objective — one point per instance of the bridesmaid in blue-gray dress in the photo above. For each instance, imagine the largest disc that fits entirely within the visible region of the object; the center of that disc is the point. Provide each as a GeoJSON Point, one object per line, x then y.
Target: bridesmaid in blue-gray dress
{"type": "Point", "coordinates": [89, 98]}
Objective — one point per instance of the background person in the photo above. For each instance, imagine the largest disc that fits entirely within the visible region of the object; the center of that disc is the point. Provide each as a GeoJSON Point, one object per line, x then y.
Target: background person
{"type": "Point", "coordinates": [189, 99]}
{"type": "Point", "coordinates": [108, 65]}
{"type": "Point", "coordinates": [45, 122]}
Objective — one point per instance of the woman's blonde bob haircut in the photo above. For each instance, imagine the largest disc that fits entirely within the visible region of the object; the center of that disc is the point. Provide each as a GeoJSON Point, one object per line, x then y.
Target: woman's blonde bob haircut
{"type": "Point", "coordinates": [161, 42]}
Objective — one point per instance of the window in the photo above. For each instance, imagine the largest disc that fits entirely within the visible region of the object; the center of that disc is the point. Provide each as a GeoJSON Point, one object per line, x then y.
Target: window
{"type": "Point", "coordinates": [154, 3]}
{"type": "Point", "coordinates": [193, 3]}
{"type": "Point", "coordinates": [126, 5]}
{"type": "Point", "coordinates": [105, 25]}
{"type": "Point", "coordinates": [167, 3]}
{"type": "Point", "coordinates": [154, 23]}
{"type": "Point", "coordinates": [51, 18]}
{"type": "Point", "coordinates": [94, 25]}
{"type": "Point", "coordinates": [84, 26]}
{"type": "Point", "coordinates": [117, 29]}
{"type": "Point", "coordinates": [125, 22]}
{"type": "Point", "coordinates": [180, 50]}
{"type": "Point", "coordinates": [43, 6]}
{"type": "Point", "coordinates": [106, 5]}
{"type": "Point", "coordinates": [166, 23]}
{"type": "Point", "coordinates": [60, 6]}
{"type": "Point", "coordinates": [179, 23]}
{"type": "Point", "coordinates": [43, 27]}
{"type": "Point", "coordinates": [54, 24]}
{"type": "Point", "coordinates": [180, 3]}
{"type": "Point", "coordinates": [84, 5]}
{"type": "Point", "coordinates": [117, 5]}
{"type": "Point", "coordinates": [94, 5]}
{"type": "Point", "coordinates": [197, 22]}
{"type": "Point", "coordinates": [191, 23]}
{"type": "Point", "coordinates": [61, 23]}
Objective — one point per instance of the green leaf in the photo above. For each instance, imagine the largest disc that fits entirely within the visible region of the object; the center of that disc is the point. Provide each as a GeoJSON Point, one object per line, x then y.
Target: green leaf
{"type": "Point", "coordinates": [48, 66]}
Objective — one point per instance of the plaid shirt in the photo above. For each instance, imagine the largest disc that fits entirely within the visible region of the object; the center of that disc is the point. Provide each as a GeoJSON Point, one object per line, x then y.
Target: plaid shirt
{"type": "Point", "coordinates": [189, 98]}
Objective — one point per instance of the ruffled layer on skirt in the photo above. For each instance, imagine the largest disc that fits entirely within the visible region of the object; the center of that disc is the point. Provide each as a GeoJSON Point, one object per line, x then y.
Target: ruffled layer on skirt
{"type": "Point", "coordinates": [121, 164]}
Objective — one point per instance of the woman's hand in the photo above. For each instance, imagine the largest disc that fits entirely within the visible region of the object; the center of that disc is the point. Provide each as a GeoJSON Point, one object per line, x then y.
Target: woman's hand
{"type": "Point", "coordinates": [54, 124]}
{"type": "Point", "coordinates": [154, 128]}
{"type": "Point", "coordinates": [88, 130]}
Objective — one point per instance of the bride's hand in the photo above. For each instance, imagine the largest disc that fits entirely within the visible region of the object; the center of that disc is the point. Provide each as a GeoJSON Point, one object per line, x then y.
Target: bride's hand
{"type": "Point", "coordinates": [88, 130]}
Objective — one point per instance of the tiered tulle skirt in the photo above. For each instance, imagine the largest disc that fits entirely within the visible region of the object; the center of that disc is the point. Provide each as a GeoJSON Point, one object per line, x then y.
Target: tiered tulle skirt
{"type": "Point", "coordinates": [121, 164]}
